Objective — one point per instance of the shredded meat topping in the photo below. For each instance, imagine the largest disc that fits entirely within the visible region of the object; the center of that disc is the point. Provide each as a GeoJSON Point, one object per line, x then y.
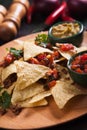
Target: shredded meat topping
{"type": "Point", "coordinates": [9, 80]}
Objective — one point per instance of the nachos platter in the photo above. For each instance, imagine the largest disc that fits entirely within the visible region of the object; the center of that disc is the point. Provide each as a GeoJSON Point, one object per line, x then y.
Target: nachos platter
{"type": "Point", "coordinates": [36, 90]}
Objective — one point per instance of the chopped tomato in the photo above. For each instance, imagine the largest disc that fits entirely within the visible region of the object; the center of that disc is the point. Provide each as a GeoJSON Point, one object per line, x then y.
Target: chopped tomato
{"type": "Point", "coordinates": [74, 66]}
{"type": "Point", "coordinates": [50, 72]}
{"type": "Point", "coordinates": [56, 55]}
{"type": "Point", "coordinates": [45, 59]}
{"type": "Point", "coordinates": [79, 70]}
{"type": "Point", "coordinates": [53, 73]}
{"type": "Point", "coordinates": [84, 57]}
{"type": "Point", "coordinates": [9, 58]}
{"type": "Point", "coordinates": [33, 61]}
{"type": "Point", "coordinates": [66, 47]}
{"type": "Point", "coordinates": [41, 56]}
{"type": "Point", "coordinates": [45, 62]}
{"type": "Point", "coordinates": [51, 83]}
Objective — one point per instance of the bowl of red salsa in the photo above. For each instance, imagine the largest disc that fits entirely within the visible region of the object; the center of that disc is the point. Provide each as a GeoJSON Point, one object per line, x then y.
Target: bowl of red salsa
{"type": "Point", "coordinates": [77, 66]}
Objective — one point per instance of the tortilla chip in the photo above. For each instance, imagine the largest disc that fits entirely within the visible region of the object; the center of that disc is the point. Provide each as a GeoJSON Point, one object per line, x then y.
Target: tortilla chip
{"type": "Point", "coordinates": [66, 54]}
{"type": "Point", "coordinates": [40, 96]}
{"type": "Point", "coordinates": [28, 73]}
{"type": "Point", "coordinates": [59, 60]}
{"type": "Point", "coordinates": [82, 48]}
{"type": "Point", "coordinates": [63, 91]}
{"type": "Point", "coordinates": [8, 71]}
{"type": "Point", "coordinates": [26, 103]}
{"type": "Point", "coordinates": [5, 73]}
{"type": "Point", "coordinates": [10, 89]}
{"type": "Point", "coordinates": [32, 50]}
{"type": "Point", "coordinates": [20, 95]}
{"type": "Point", "coordinates": [64, 74]}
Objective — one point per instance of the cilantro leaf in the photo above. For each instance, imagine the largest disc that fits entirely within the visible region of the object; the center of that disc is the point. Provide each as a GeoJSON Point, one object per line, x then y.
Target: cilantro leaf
{"type": "Point", "coordinates": [5, 100]}
{"type": "Point", "coordinates": [41, 38]}
{"type": "Point", "coordinates": [16, 53]}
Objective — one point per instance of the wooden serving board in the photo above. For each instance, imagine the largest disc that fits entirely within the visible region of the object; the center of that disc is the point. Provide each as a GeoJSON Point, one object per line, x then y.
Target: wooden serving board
{"type": "Point", "coordinates": [46, 116]}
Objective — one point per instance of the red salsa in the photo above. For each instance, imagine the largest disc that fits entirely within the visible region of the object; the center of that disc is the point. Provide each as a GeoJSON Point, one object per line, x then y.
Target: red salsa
{"type": "Point", "coordinates": [79, 64]}
{"type": "Point", "coordinates": [47, 59]}
{"type": "Point", "coordinates": [66, 47]}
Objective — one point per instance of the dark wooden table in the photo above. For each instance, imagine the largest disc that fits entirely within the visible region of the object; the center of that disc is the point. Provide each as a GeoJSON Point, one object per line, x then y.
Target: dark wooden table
{"type": "Point", "coordinates": [26, 29]}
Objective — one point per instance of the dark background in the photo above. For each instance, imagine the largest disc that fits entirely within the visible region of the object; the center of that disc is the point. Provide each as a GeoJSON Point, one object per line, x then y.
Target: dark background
{"type": "Point", "coordinates": [37, 20]}
{"type": "Point", "coordinates": [26, 29]}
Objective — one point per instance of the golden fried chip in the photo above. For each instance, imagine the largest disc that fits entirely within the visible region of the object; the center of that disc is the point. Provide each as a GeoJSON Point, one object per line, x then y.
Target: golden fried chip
{"type": "Point", "coordinates": [9, 89]}
{"type": "Point", "coordinates": [21, 95]}
{"type": "Point", "coordinates": [8, 71]}
{"type": "Point", "coordinates": [82, 48]}
{"type": "Point", "coordinates": [40, 96]}
{"type": "Point", "coordinates": [63, 91]}
{"type": "Point", "coordinates": [63, 72]}
{"type": "Point", "coordinates": [28, 73]}
{"type": "Point", "coordinates": [32, 50]}
{"type": "Point", "coordinates": [66, 54]}
{"type": "Point", "coordinates": [26, 103]}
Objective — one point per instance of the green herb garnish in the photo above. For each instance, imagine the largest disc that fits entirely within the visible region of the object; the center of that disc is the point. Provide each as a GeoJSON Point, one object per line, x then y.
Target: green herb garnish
{"type": "Point", "coordinates": [41, 38]}
{"type": "Point", "coordinates": [5, 100]}
{"type": "Point", "coordinates": [16, 53]}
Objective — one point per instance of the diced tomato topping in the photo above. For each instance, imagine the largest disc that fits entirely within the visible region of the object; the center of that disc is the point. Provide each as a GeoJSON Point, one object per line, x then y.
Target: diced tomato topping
{"type": "Point", "coordinates": [33, 61]}
{"type": "Point", "coordinates": [53, 72]}
{"type": "Point", "coordinates": [56, 55]}
{"type": "Point", "coordinates": [50, 72]}
{"type": "Point", "coordinates": [66, 47]}
{"type": "Point", "coordinates": [45, 62]}
{"type": "Point", "coordinates": [41, 56]}
{"type": "Point", "coordinates": [51, 83]}
{"type": "Point", "coordinates": [45, 59]}
{"type": "Point", "coordinates": [9, 58]}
